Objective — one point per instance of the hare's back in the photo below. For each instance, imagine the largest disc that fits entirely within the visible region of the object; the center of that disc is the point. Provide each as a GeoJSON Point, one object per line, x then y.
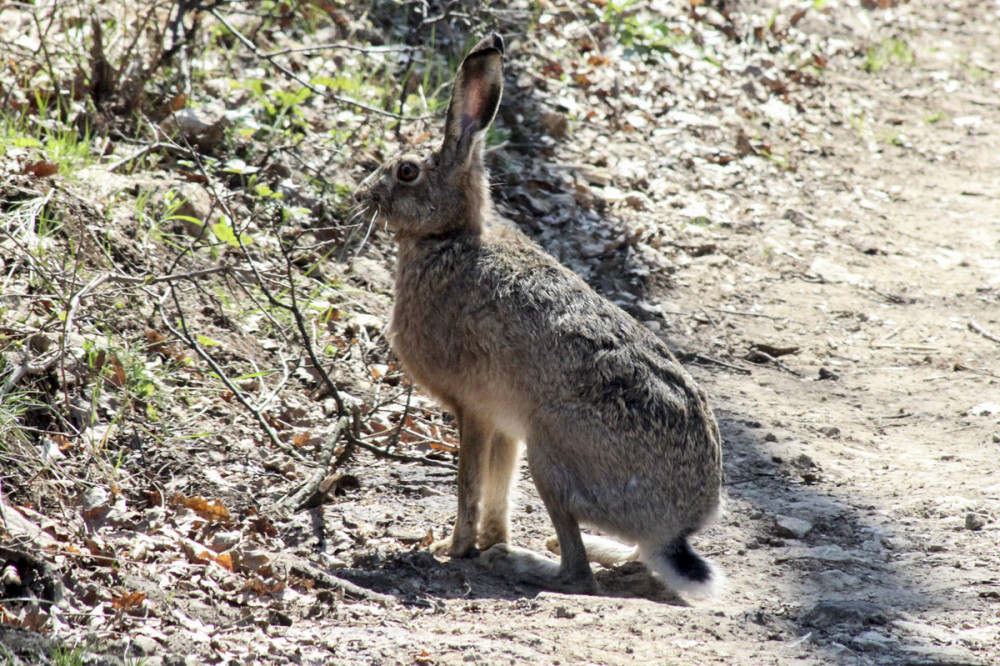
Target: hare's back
{"type": "Point", "coordinates": [582, 348]}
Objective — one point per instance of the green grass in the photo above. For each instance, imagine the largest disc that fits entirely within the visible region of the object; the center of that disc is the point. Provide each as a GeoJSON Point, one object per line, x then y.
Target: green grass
{"type": "Point", "coordinates": [891, 52]}
{"type": "Point", "coordinates": [46, 139]}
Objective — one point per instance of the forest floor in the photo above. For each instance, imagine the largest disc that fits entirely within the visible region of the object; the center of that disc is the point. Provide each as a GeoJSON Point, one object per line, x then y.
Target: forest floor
{"type": "Point", "coordinates": [801, 198]}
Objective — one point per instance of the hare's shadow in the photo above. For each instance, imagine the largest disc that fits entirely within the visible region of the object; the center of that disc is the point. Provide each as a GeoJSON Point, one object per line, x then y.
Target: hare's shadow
{"type": "Point", "coordinates": [416, 576]}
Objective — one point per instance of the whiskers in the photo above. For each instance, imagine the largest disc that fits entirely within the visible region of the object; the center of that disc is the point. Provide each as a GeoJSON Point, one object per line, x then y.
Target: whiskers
{"type": "Point", "coordinates": [360, 212]}
{"type": "Point", "coordinates": [368, 232]}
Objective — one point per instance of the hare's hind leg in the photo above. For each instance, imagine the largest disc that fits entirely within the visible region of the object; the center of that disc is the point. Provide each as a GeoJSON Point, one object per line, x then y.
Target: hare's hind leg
{"type": "Point", "coordinates": [473, 452]}
{"type": "Point", "coordinates": [501, 468]}
{"type": "Point", "coordinates": [572, 573]}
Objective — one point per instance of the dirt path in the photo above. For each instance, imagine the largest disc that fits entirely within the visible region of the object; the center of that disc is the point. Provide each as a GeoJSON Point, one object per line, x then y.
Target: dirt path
{"type": "Point", "coordinates": [864, 492]}
{"type": "Point", "coordinates": [820, 243]}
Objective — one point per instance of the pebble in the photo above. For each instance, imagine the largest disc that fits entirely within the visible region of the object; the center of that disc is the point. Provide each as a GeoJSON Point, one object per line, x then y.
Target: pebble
{"type": "Point", "coordinates": [791, 528]}
{"type": "Point", "coordinates": [405, 535]}
{"type": "Point", "coordinates": [975, 521]}
{"type": "Point", "coordinates": [563, 612]}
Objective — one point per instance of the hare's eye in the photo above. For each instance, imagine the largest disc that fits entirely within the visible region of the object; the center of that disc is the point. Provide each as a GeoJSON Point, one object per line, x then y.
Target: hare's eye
{"type": "Point", "coordinates": [407, 172]}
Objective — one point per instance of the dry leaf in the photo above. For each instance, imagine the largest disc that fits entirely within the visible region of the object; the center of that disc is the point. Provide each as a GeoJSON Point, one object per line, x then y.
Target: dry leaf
{"type": "Point", "coordinates": [128, 601]}
{"type": "Point", "coordinates": [209, 510]}
{"type": "Point", "coordinates": [41, 169]}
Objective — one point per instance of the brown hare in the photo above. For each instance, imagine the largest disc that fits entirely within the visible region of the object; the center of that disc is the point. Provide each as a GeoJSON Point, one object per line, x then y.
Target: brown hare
{"type": "Point", "coordinates": [520, 349]}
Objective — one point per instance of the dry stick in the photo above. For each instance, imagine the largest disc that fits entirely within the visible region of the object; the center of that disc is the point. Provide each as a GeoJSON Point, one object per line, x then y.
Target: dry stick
{"type": "Point", "coordinates": [708, 359]}
{"type": "Point", "coordinates": [778, 362]}
{"type": "Point", "coordinates": [291, 75]}
{"type": "Point", "coordinates": [746, 314]}
{"type": "Point", "coordinates": [126, 279]}
{"type": "Point", "coordinates": [298, 499]}
{"type": "Point", "coordinates": [347, 47]}
{"type": "Point", "coordinates": [973, 326]}
{"type": "Point", "coordinates": [156, 145]}
{"type": "Point", "coordinates": [205, 356]}
{"type": "Point", "coordinates": [326, 579]}
{"type": "Point", "coordinates": [394, 439]}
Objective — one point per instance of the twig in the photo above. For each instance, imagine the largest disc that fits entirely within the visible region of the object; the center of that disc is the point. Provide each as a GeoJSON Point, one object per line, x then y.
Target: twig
{"type": "Point", "coordinates": [28, 367]}
{"type": "Point", "coordinates": [905, 347]}
{"type": "Point", "coordinates": [973, 326]}
{"type": "Point", "coordinates": [291, 75]}
{"type": "Point", "coordinates": [346, 47]}
{"type": "Point", "coordinates": [381, 453]}
{"type": "Point", "coordinates": [126, 279]}
{"type": "Point", "coordinates": [300, 497]}
{"type": "Point", "coordinates": [746, 314]}
{"type": "Point", "coordinates": [394, 439]}
{"type": "Point", "coordinates": [145, 149]}
{"type": "Point", "coordinates": [325, 579]}
{"type": "Point", "coordinates": [757, 354]}
{"type": "Point", "coordinates": [701, 358]}
{"type": "Point", "coordinates": [205, 356]}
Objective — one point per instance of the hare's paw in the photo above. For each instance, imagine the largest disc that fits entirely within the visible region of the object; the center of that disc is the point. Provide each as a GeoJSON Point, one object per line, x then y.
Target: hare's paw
{"type": "Point", "coordinates": [449, 548]}
{"type": "Point", "coordinates": [524, 566]}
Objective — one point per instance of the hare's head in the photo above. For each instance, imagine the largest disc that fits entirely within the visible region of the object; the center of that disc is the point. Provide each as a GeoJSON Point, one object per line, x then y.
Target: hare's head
{"type": "Point", "coordinates": [447, 191]}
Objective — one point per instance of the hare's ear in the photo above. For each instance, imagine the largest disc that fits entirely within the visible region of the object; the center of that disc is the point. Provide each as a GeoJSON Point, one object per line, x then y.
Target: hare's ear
{"type": "Point", "coordinates": [474, 101]}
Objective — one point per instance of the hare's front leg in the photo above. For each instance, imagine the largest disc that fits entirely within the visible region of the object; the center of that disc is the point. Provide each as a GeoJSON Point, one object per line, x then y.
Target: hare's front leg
{"type": "Point", "coordinates": [473, 452]}
{"type": "Point", "coordinates": [501, 468]}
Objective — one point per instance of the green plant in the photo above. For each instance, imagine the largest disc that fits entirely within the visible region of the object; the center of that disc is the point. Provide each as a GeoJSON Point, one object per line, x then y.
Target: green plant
{"type": "Point", "coordinates": [76, 656]}
{"type": "Point", "coordinates": [890, 52]}
{"type": "Point", "coordinates": [644, 32]}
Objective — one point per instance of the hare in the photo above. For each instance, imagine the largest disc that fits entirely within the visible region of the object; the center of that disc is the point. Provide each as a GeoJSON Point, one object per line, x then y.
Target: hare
{"type": "Point", "coordinates": [520, 349]}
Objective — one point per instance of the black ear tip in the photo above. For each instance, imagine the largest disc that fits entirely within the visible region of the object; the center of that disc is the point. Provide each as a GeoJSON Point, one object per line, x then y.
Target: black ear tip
{"type": "Point", "coordinates": [497, 42]}
{"type": "Point", "coordinates": [492, 42]}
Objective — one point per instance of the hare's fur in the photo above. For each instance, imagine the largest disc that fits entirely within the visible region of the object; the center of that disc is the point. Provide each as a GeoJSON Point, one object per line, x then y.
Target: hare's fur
{"type": "Point", "coordinates": [618, 436]}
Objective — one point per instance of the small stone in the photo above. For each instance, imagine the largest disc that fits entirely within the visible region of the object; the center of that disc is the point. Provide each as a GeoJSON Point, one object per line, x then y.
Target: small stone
{"type": "Point", "coordinates": [405, 535]}
{"type": "Point", "coordinates": [770, 437]}
{"type": "Point", "coordinates": [145, 644]}
{"type": "Point", "coordinates": [563, 612]}
{"type": "Point", "coordinates": [830, 431]}
{"type": "Point", "coordinates": [791, 528]}
{"type": "Point", "coordinates": [975, 521]}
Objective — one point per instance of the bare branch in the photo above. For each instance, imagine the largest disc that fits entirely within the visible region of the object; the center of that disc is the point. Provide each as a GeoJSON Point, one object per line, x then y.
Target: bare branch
{"type": "Point", "coordinates": [291, 75]}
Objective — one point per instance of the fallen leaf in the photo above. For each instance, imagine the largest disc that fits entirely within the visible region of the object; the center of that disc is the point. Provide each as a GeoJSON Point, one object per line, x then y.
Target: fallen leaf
{"type": "Point", "coordinates": [128, 601]}
{"type": "Point", "coordinates": [210, 511]}
{"type": "Point", "coordinates": [41, 169]}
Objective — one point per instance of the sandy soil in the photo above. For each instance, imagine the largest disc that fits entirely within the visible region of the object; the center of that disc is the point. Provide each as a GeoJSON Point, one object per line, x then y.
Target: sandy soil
{"type": "Point", "coordinates": [858, 467]}
{"type": "Point", "coordinates": [826, 263]}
